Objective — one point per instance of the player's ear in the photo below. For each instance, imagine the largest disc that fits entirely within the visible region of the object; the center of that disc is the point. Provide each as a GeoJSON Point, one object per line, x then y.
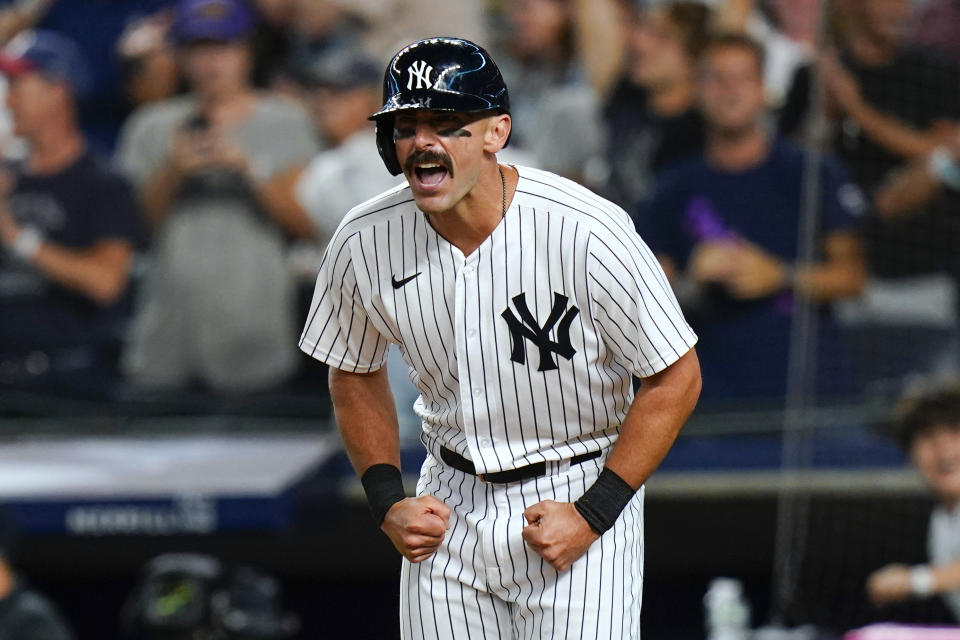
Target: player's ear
{"type": "Point", "coordinates": [497, 132]}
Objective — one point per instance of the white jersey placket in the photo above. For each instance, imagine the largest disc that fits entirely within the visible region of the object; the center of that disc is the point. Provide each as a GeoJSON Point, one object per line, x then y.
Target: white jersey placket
{"type": "Point", "coordinates": [474, 403]}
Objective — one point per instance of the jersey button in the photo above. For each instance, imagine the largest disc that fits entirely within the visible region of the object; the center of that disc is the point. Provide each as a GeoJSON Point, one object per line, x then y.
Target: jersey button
{"type": "Point", "coordinates": [468, 270]}
{"type": "Point", "coordinates": [478, 392]}
{"type": "Point", "coordinates": [471, 333]}
{"type": "Point", "coordinates": [484, 442]}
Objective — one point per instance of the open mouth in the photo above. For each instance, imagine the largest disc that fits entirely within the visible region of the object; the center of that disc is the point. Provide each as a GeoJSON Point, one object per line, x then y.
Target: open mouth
{"type": "Point", "coordinates": [430, 174]}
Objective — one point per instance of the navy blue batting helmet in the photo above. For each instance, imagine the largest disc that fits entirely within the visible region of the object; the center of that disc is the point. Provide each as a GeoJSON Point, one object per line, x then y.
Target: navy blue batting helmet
{"type": "Point", "coordinates": [437, 74]}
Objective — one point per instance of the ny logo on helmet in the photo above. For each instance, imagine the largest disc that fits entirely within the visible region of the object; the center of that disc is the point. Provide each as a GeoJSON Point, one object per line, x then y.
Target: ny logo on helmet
{"type": "Point", "coordinates": [421, 73]}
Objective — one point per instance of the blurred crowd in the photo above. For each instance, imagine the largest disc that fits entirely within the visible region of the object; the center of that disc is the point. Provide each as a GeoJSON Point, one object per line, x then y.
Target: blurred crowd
{"type": "Point", "coordinates": [174, 169]}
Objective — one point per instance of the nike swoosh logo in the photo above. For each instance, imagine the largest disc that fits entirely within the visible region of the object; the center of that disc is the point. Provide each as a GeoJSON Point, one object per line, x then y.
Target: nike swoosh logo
{"type": "Point", "coordinates": [399, 283]}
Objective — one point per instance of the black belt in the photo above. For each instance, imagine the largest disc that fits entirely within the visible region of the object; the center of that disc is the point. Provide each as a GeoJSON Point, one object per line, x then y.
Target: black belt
{"type": "Point", "coordinates": [534, 470]}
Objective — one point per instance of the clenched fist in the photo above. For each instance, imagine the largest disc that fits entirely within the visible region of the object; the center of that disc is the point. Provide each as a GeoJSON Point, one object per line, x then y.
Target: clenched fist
{"type": "Point", "coordinates": [557, 532]}
{"type": "Point", "coordinates": [416, 526]}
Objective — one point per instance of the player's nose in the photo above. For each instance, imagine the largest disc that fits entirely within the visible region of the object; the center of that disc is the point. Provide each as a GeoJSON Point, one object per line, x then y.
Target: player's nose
{"type": "Point", "coordinates": [424, 136]}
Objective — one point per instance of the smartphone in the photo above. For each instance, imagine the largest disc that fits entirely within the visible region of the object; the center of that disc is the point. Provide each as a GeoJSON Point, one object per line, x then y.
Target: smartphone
{"type": "Point", "coordinates": [197, 122]}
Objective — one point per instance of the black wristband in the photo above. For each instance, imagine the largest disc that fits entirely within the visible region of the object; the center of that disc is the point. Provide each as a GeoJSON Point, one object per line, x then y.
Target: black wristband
{"type": "Point", "coordinates": [383, 485]}
{"type": "Point", "coordinates": [601, 505]}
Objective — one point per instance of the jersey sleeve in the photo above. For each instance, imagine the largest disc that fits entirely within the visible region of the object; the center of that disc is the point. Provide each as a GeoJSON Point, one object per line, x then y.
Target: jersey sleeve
{"type": "Point", "coordinates": [633, 306]}
{"type": "Point", "coordinates": [338, 331]}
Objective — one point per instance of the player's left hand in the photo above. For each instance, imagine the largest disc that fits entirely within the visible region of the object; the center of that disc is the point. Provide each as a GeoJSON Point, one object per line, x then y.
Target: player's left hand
{"type": "Point", "coordinates": [557, 532]}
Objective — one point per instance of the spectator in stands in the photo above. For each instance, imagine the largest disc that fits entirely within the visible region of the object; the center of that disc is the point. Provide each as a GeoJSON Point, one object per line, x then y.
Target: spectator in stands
{"type": "Point", "coordinates": [219, 305]}
{"type": "Point", "coordinates": [378, 27]}
{"type": "Point", "coordinates": [68, 227]}
{"type": "Point", "coordinates": [937, 27]}
{"type": "Point", "coordinates": [20, 15]}
{"type": "Point", "coordinates": [908, 190]}
{"type": "Point", "coordinates": [888, 105]}
{"type": "Point", "coordinates": [17, 16]}
{"type": "Point", "coordinates": [343, 88]}
{"type": "Point", "coordinates": [650, 114]}
{"type": "Point", "coordinates": [556, 112]}
{"type": "Point", "coordinates": [24, 613]}
{"type": "Point", "coordinates": [147, 59]}
{"type": "Point", "coordinates": [928, 429]}
{"type": "Point", "coordinates": [891, 103]}
{"type": "Point", "coordinates": [767, 23]}
{"type": "Point", "coordinates": [390, 25]}
{"type": "Point", "coordinates": [271, 41]}
{"type": "Point", "coordinates": [96, 28]}
{"type": "Point", "coordinates": [725, 226]}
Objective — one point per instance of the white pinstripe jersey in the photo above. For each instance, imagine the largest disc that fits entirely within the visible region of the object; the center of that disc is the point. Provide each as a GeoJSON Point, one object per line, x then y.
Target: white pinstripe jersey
{"type": "Point", "coordinates": [523, 350]}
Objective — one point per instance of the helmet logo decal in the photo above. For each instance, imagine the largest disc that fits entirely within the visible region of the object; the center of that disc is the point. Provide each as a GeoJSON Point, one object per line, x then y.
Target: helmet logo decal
{"type": "Point", "coordinates": [421, 74]}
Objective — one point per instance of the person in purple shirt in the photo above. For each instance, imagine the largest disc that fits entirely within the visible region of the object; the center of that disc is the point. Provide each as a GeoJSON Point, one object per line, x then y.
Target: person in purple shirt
{"type": "Point", "coordinates": [724, 225]}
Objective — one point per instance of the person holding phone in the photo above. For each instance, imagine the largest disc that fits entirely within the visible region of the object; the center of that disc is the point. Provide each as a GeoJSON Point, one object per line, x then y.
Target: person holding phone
{"type": "Point", "coordinates": [206, 166]}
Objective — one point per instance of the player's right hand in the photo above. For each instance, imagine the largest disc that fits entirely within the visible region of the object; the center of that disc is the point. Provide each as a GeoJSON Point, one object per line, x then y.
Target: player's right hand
{"type": "Point", "coordinates": [416, 526]}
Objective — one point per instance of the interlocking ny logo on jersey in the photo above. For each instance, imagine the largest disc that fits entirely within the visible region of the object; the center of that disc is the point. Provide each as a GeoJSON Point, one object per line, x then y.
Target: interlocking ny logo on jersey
{"type": "Point", "coordinates": [421, 73]}
{"type": "Point", "coordinates": [528, 328]}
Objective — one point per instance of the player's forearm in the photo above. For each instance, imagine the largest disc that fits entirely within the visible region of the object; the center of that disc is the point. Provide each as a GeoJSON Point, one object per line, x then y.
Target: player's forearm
{"type": "Point", "coordinates": [100, 273]}
{"type": "Point", "coordinates": [367, 418]}
{"type": "Point", "coordinates": [658, 413]}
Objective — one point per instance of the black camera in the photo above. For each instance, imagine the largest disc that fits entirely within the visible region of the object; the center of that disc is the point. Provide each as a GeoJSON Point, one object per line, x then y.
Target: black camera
{"type": "Point", "coordinates": [183, 596]}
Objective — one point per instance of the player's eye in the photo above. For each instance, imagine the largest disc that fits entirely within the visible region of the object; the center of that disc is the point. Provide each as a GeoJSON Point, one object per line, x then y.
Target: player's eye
{"type": "Point", "coordinates": [454, 132]}
{"type": "Point", "coordinates": [399, 133]}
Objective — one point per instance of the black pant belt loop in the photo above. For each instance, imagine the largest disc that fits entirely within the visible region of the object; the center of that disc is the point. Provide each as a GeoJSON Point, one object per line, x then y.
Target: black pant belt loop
{"type": "Point", "coordinates": [534, 470]}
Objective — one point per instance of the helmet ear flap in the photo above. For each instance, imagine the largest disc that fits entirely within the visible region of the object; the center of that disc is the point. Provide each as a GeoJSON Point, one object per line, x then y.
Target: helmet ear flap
{"type": "Point", "coordinates": [385, 145]}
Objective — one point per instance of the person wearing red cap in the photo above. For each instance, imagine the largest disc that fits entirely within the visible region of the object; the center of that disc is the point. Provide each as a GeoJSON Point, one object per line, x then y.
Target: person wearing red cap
{"type": "Point", "coordinates": [68, 226]}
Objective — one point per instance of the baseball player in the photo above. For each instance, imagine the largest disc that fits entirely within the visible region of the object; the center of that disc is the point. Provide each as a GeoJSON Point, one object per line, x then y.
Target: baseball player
{"type": "Point", "coordinates": [523, 305]}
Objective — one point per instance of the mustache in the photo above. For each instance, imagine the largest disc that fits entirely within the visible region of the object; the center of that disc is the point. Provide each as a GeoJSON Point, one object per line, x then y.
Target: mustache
{"type": "Point", "coordinates": [427, 155]}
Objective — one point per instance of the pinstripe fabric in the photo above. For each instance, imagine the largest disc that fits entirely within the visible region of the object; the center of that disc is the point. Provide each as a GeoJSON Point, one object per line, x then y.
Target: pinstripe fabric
{"type": "Point", "coordinates": [484, 582]}
{"type": "Point", "coordinates": [556, 239]}
{"type": "Point", "coordinates": [523, 351]}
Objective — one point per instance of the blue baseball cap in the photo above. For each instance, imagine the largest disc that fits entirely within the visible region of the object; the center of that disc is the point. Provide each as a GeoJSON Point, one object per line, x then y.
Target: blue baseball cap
{"type": "Point", "coordinates": [51, 54]}
{"type": "Point", "coordinates": [217, 20]}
